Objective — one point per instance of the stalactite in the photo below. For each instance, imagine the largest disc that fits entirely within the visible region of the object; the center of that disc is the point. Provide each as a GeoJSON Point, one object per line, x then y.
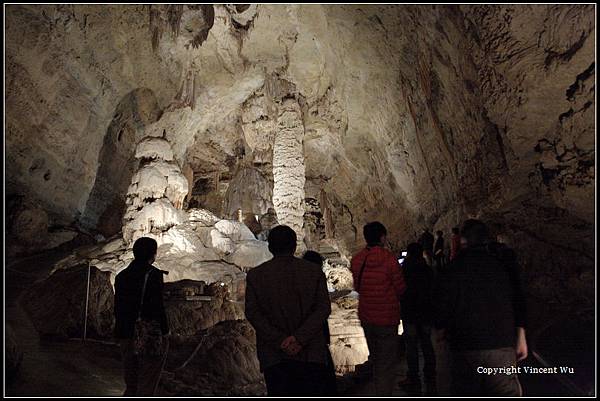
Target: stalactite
{"type": "Point", "coordinates": [186, 97]}
{"type": "Point", "coordinates": [209, 19]}
{"type": "Point", "coordinates": [174, 14]}
{"type": "Point", "coordinates": [155, 27]}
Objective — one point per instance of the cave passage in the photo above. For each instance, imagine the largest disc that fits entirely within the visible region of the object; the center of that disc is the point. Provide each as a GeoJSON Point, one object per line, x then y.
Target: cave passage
{"type": "Point", "coordinates": [206, 126]}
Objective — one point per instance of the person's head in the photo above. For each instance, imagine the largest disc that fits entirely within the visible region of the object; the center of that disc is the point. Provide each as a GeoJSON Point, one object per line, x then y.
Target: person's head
{"type": "Point", "coordinates": [282, 241]}
{"type": "Point", "coordinates": [425, 229]}
{"type": "Point", "coordinates": [439, 233]}
{"type": "Point", "coordinates": [374, 233]}
{"type": "Point", "coordinates": [414, 251]}
{"type": "Point", "coordinates": [314, 257]}
{"type": "Point", "coordinates": [144, 249]}
{"type": "Point", "coordinates": [455, 230]}
{"type": "Point", "coordinates": [475, 232]}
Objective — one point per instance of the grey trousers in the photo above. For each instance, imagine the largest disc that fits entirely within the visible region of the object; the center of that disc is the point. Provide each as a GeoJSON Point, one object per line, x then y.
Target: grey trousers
{"type": "Point", "coordinates": [467, 382]}
{"type": "Point", "coordinates": [383, 350]}
{"type": "Point", "coordinates": [141, 374]}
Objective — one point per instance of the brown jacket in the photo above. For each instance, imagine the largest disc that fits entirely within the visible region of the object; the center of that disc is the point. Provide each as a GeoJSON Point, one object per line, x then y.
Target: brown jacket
{"type": "Point", "coordinates": [288, 296]}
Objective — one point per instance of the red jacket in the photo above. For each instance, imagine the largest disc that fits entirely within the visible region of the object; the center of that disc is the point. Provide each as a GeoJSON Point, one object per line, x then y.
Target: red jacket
{"type": "Point", "coordinates": [455, 246]}
{"type": "Point", "coordinates": [381, 286]}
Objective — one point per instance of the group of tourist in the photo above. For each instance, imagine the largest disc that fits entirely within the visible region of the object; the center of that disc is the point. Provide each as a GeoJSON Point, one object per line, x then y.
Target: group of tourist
{"type": "Point", "coordinates": [474, 301]}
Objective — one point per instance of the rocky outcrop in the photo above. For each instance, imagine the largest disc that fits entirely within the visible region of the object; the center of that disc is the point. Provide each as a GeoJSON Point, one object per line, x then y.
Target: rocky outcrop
{"type": "Point", "coordinates": [57, 304]}
{"type": "Point", "coordinates": [201, 309]}
{"type": "Point", "coordinates": [219, 362]}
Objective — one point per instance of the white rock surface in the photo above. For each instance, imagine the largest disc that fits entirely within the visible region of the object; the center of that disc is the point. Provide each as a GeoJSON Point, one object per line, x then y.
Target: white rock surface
{"type": "Point", "coordinates": [154, 148]}
{"type": "Point", "coordinates": [202, 217]}
{"type": "Point", "coordinates": [235, 230]}
{"type": "Point", "coordinates": [348, 344]}
{"type": "Point", "coordinates": [248, 254]}
{"type": "Point", "coordinates": [160, 215]}
{"type": "Point", "coordinates": [289, 170]}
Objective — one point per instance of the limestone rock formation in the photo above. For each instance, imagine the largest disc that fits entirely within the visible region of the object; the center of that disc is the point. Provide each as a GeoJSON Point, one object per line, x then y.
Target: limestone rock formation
{"type": "Point", "coordinates": [187, 318]}
{"type": "Point", "coordinates": [348, 344]}
{"type": "Point", "coordinates": [288, 169]}
{"type": "Point", "coordinates": [156, 193]}
{"type": "Point", "coordinates": [220, 362]}
{"type": "Point", "coordinates": [57, 304]}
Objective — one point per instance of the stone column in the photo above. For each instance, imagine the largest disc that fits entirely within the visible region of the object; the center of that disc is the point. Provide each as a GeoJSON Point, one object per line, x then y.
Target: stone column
{"type": "Point", "coordinates": [288, 169]}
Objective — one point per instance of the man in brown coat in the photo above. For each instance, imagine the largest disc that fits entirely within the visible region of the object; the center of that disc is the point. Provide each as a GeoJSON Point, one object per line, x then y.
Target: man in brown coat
{"type": "Point", "coordinates": [287, 303]}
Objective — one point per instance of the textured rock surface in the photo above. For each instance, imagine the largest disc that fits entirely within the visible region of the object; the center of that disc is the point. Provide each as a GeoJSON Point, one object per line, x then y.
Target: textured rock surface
{"type": "Point", "coordinates": [224, 364]}
{"type": "Point", "coordinates": [348, 344]}
{"type": "Point", "coordinates": [156, 193]}
{"type": "Point", "coordinates": [68, 69]}
{"type": "Point", "coordinates": [188, 318]}
{"type": "Point", "coordinates": [57, 304]}
{"type": "Point", "coordinates": [288, 169]}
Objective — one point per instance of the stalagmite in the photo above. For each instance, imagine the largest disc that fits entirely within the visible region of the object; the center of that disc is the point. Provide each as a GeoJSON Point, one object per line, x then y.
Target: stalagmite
{"type": "Point", "coordinates": [288, 169]}
{"type": "Point", "coordinates": [156, 193]}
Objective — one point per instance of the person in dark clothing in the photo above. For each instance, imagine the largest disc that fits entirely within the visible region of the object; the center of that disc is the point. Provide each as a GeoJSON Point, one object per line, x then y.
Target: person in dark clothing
{"type": "Point", "coordinates": [287, 303]}
{"type": "Point", "coordinates": [438, 251]}
{"type": "Point", "coordinates": [417, 319]}
{"type": "Point", "coordinates": [142, 373]}
{"type": "Point", "coordinates": [481, 307]}
{"type": "Point", "coordinates": [330, 380]}
{"type": "Point", "coordinates": [426, 241]}
{"type": "Point", "coordinates": [455, 243]}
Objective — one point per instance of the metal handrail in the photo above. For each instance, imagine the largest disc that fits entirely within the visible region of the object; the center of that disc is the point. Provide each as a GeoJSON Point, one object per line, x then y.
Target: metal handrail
{"type": "Point", "coordinates": [561, 378]}
{"type": "Point", "coordinates": [87, 302]}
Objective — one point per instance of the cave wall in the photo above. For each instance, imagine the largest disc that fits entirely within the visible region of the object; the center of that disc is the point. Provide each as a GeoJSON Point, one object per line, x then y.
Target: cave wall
{"type": "Point", "coordinates": [67, 69]}
{"type": "Point", "coordinates": [536, 77]}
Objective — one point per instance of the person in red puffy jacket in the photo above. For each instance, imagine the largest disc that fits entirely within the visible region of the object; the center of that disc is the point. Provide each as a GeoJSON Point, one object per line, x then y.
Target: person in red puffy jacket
{"type": "Point", "coordinates": [380, 284]}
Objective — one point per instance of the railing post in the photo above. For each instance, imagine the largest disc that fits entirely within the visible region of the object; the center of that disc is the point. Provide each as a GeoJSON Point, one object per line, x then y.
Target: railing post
{"type": "Point", "coordinates": [87, 300]}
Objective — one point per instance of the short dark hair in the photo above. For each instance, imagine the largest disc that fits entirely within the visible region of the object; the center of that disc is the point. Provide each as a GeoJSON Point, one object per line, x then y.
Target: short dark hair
{"type": "Point", "coordinates": [373, 232]}
{"type": "Point", "coordinates": [475, 232]}
{"type": "Point", "coordinates": [314, 257]}
{"type": "Point", "coordinates": [414, 250]}
{"type": "Point", "coordinates": [282, 240]}
{"type": "Point", "coordinates": [440, 233]}
{"type": "Point", "coordinates": [455, 230]}
{"type": "Point", "coordinates": [144, 249]}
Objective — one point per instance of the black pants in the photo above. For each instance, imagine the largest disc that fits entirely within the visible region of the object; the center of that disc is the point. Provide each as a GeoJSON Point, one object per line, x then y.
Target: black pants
{"type": "Point", "coordinates": [141, 374]}
{"type": "Point", "coordinates": [419, 334]}
{"type": "Point", "coordinates": [383, 346]}
{"type": "Point", "coordinates": [294, 378]}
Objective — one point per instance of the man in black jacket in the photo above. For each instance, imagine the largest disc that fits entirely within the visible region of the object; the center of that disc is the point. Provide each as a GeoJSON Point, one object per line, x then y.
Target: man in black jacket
{"type": "Point", "coordinates": [481, 308]}
{"type": "Point", "coordinates": [141, 373]}
{"type": "Point", "coordinates": [417, 319]}
{"type": "Point", "coordinates": [287, 303]}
